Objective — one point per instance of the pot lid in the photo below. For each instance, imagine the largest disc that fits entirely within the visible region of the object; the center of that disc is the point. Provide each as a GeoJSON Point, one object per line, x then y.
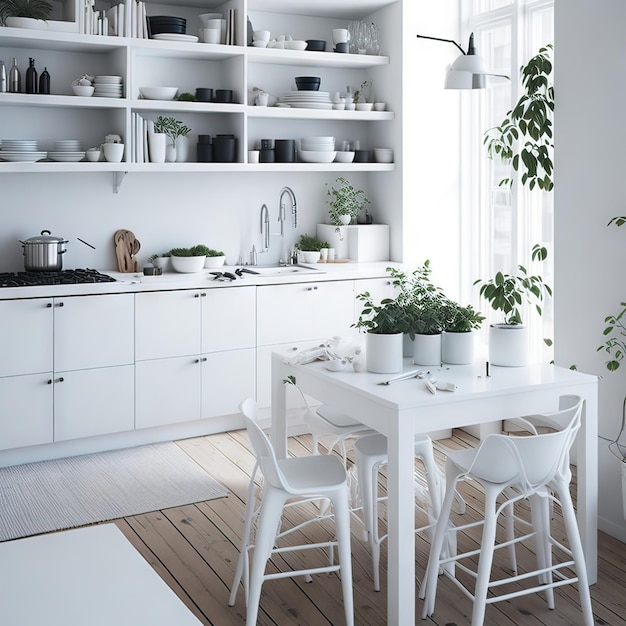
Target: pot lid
{"type": "Point", "coordinates": [45, 237]}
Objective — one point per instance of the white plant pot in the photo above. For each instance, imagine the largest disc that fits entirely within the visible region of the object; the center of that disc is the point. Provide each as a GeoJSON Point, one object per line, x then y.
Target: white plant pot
{"type": "Point", "coordinates": [509, 345]}
{"type": "Point", "coordinates": [457, 348]}
{"type": "Point", "coordinates": [26, 22]}
{"type": "Point", "coordinates": [345, 219]}
{"type": "Point", "coordinates": [188, 264]}
{"type": "Point", "coordinates": [156, 147]}
{"type": "Point", "coordinates": [427, 350]}
{"type": "Point", "coordinates": [213, 262]}
{"type": "Point", "coordinates": [113, 152]}
{"type": "Point", "coordinates": [383, 353]}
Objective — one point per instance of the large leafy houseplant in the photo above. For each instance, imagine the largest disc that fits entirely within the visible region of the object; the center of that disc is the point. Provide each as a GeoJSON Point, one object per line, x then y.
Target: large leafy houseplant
{"type": "Point", "coordinates": [344, 199]}
{"type": "Point", "coordinates": [34, 9]}
{"type": "Point", "coordinates": [524, 138]}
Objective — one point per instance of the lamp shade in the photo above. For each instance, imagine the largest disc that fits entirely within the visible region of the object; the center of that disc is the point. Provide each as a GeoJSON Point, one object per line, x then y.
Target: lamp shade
{"type": "Point", "coordinates": [467, 72]}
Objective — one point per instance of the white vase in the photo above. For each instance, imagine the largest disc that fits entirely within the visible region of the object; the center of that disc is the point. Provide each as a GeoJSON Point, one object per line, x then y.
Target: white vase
{"type": "Point", "coordinates": [113, 152]}
{"type": "Point", "coordinates": [170, 152]}
{"type": "Point", "coordinates": [457, 348]}
{"type": "Point", "coordinates": [427, 349]}
{"type": "Point", "coordinates": [156, 147]}
{"type": "Point", "coordinates": [383, 353]}
{"type": "Point", "coordinates": [509, 345]}
{"type": "Point", "coordinates": [182, 149]}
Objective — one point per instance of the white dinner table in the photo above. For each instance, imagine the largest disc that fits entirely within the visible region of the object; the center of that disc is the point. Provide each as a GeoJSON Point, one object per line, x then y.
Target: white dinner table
{"type": "Point", "coordinates": [403, 409]}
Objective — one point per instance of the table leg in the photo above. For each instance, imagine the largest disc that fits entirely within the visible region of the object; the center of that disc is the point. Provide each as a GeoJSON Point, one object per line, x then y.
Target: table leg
{"type": "Point", "coordinates": [279, 407]}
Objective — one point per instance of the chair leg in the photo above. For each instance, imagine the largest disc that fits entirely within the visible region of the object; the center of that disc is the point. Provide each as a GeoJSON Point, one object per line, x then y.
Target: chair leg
{"type": "Point", "coordinates": [540, 515]}
{"type": "Point", "coordinates": [485, 560]}
{"type": "Point", "coordinates": [342, 521]}
{"type": "Point", "coordinates": [509, 523]}
{"type": "Point", "coordinates": [269, 516]}
{"type": "Point", "coordinates": [573, 536]}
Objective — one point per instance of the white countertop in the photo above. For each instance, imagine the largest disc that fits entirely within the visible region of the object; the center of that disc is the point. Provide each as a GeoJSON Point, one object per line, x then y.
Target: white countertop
{"type": "Point", "coordinates": [137, 282]}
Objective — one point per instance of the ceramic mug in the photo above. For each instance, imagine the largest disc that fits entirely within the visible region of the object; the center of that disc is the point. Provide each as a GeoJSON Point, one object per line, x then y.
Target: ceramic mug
{"type": "Point", "coordinates": [253, 156]}
{"type": "Point", "coordinates": [340, 35]}
{"type": "Point", "coordinates": [113, 152]}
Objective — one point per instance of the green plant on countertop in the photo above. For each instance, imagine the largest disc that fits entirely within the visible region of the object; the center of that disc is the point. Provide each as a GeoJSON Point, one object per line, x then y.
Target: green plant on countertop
{"type": "Point", "coordinates": [35, 9]}
{"type": "Point", "coordinates": [199, 250]}
{"type": "Point", "coordinates": [187, 97]}
{"type": "Point", "coordinates": [212, 252]}
{"type": "Point", "coordinates": [310, 244]}
{"type": "Point", "coordinates": [387, 318]}
{"type": "Point", "coordinates": [344, 199]}
{"type": "Point", "coordinates": [171, 127]}
{"type": "Point", "coordinates": [461, 319]}
{"type": "Point", "coordinates": [507, 293]}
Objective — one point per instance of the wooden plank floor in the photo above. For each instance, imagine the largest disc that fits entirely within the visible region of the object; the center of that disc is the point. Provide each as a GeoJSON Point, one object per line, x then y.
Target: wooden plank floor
{"type": "Point", "coordinates": [195, 548]}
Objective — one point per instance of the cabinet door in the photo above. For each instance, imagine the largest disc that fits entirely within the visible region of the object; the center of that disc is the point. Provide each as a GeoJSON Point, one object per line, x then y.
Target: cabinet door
{"type": "Point", "coordinates": [334, 309]}
{"type": "Point", "coordinates": [93, 331]}
{"type": "Point", "coordinates": [26, 336]}
{"type": "Point", "coordinates": [228, 319]}
{"type": "Point", "coordinates": [228, 378]}
{"type": "Point", "coordinates": [379, 289]}
{"type": "Point", "coordinates": [167, 324]}
{"type": "Point", "coordinates": [167, 391]}
{"type": "Point", "coordinates": [25, 410]}
{"type": "Point", "coordinates": [93, 402]}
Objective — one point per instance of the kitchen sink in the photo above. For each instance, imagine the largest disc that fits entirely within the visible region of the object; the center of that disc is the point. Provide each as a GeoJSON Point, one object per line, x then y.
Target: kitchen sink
{"type": "Point", "coordinates": [269, 271]}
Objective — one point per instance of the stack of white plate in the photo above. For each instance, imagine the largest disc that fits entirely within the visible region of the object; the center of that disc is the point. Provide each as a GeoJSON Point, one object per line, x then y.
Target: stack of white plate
{"type": "Point", "coordinates": [21, 150]}
{"type": "Point", "coordinates": [108, 87]}
{"type": "Point", "coordinates": [308, 99]}
{"type": "Point", "coordinates": [66, 150]}
{"type": "Point", "coordinates": [317, 149]}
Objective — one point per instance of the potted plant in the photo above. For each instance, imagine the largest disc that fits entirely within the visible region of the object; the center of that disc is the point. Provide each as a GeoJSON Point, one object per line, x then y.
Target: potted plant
{"type": "Point", "coordinates": [173, 129]}
{"type": "Point", "coordinates": [384, 324]}
{"type": "Point", "coordinates": [360, 101]}
{"type": "Point", "coordinates": [25, 13]}
{"type": "Point", "coordinates": [457, 339]}
{"type": "Point", "coordinates": [189, 260]}
{"type": "Point", "coordinates": [508, 341]}
{"type": "Point", "coordinates": [310, 247]}
{"type": "Point", "coordinates": [214, 258]}
{"type": "Point", "coordinates": [159, 260]}
{"type": "Point", "coordinates": [345, 202]}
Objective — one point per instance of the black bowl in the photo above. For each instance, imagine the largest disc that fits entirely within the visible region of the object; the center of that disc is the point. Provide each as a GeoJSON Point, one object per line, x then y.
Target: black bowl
{"type": "Point", "coordinates": [318, 45]}
{"type": "Point", "coordinates": [308, 82]}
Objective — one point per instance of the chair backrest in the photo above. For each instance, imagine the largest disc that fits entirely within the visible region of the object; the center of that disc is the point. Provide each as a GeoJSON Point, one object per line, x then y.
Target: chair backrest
{"type": "Point", "coordinates": [263, 449]}
{"type": "Point", "coordinates": [532, 460]}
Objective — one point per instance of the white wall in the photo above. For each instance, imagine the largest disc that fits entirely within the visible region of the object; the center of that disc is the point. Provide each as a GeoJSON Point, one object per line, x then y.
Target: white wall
{"type": "Point", "coordinates": [590, 282]}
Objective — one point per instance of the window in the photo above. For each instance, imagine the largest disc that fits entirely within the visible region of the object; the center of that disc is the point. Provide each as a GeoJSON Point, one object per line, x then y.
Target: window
{"type": "Point", "coordinates": [504, 224]}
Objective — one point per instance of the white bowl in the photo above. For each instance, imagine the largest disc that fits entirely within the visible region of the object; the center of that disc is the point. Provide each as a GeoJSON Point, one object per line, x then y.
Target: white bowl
{"type": "Point", "coordinates": [319, 139]}
{"type": "Point", "coordinates": [337, 365]}
{"type": "Point", "coordinates": [311, 256]}
{"type": "Point", "coordinates": [93, 155]}
{"type": "Point", "coordinates": [317, 146]}
{"type": "Point", "coordinates": [83, 90]}
{"type": "Point", "coordinates": [188, 264]}
{"type": "Point", "coordinates": [339, 106]}
{"type": "Point", "coordinates": [383, 155]}
{"type": "Point", "coordinates": [212, 262]}
{"type": "Point", "coordinates": [364, 106]}
{"type": "Point", "coordinates": [295, 45]}
{"type": "Point", "coordinates": [259, 44]}
{"type": "Point", "coordinates": [317, 156]}
{"type": "Point", "coordinates": [158, 93]}
{"type": "Point", "coordinates": [344, 157]}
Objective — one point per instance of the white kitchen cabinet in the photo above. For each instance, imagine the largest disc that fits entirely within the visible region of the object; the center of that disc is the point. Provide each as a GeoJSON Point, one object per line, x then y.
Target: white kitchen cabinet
{"type": "Point", "coordinates": [93, 402]}
{"type": "Point", "coordinates": [93, 331]}
{"type": "Point", "coordinates": [26, 336]}
{"type": "Point", "coordinates": [26, 410]}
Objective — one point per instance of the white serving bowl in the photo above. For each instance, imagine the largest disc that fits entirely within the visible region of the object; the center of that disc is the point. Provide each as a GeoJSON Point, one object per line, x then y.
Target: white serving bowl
{"type": "Point", "coordinates": [364, 106]}
{"type": "Point", "coordinates": [311, 256]}
{"type": "Point", "coordinates": [295, 45]}
{"type": "Point", "coordinates": [83, 90]}
{"type": "Point", "coordinates": [188, 264]}
{"type": "Point", "coordinates": [93, 155]}
{"type": "Point", "coordinates": [344, 157]}
{"type": "Point", "coordinates": [383, 155]}
{"type": "Point", "coordinates": [317, 156]}
{"type": "Point", "coordinates": [316, 146]}
{"type": "Point", "coordinates": [212, 262]}
{"type": "Point", "coordinates": [158, 93]}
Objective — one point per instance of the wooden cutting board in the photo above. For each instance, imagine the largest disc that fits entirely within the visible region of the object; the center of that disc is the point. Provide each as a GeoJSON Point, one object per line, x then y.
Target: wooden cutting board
{"type": "Point", "coordinates": [126, 247]}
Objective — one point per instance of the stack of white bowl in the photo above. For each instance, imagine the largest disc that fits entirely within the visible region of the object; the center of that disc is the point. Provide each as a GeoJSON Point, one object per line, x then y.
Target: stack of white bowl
{"type": "Point", "coordinates": [66, 150]}
{"type": "Point", "coordinates": [317, 149]}
{"type": "Point", "coordinates": [108, 87]}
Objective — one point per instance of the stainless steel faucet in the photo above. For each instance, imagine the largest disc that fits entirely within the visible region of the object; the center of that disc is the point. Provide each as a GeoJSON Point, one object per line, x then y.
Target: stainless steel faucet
{"type": "Point", "coordinates": [265, 227]}
{"type": "Point", "coordinates": [281, 211]}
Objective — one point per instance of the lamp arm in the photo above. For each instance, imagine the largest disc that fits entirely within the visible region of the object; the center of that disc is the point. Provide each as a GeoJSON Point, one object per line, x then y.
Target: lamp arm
{"type": "Point", "coordinates": [440, 39]}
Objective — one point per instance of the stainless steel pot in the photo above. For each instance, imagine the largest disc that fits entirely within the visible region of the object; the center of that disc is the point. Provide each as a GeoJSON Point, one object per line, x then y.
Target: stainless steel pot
{"type": "Point", "coordinates": [43, 253]}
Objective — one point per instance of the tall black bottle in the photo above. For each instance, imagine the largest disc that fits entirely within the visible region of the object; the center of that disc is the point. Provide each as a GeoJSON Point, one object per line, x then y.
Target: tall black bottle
{"type": "Point", "coordinates": [31, 77]}
{"type": "Point", "coordinates": [44, 81]}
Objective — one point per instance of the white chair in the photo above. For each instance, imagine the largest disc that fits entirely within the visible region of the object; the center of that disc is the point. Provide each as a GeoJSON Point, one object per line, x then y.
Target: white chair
{"type": "Point", "coordinates": [371, 455]}
{"type": "Point", "coordinates": [511, 469]}
{"type": "Point", "coordinates": [303, 479]}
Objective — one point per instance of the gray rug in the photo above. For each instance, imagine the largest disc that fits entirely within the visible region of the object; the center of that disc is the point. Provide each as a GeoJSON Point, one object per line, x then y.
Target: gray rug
{"type": "Point", "coordinates": [65, 493]}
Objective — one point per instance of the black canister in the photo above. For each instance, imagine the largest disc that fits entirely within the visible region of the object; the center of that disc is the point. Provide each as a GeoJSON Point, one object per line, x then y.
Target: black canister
{"type": "Point", "coordinates": [204, 138]}
{"type": "Point", "coordinates": [204, 152]}
{"type": "Point", "coordinates": [223, 95]}
{"type": "Point", "coordinates": [31, 77]}
{"type": "Point", "coordinates": [204, 94]}
{"type": "Point", "coordinates": [44, 81]}
{"type": "Point", "coordinates": [224, 148]}
{"type": "Point", "coordinates": [285, 150]}
{"type": "Point", "coordinates": [362, 156]}
{"type": "Point", "coordinates": [267, 155]}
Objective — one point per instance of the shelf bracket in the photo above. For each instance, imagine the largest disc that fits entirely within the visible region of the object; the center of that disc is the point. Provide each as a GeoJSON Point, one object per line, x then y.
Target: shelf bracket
{"type": "Point", "coordinates": [118, 177]}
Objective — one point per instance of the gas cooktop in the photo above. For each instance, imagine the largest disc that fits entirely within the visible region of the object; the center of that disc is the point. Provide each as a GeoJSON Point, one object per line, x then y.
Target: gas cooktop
{"type": "Point", "coordinates": [63, 277]}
